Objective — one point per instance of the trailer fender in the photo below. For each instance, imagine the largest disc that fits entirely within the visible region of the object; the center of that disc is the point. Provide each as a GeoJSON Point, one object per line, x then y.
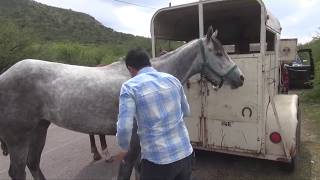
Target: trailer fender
{"type": "Point", "coordinates": [287, 107]}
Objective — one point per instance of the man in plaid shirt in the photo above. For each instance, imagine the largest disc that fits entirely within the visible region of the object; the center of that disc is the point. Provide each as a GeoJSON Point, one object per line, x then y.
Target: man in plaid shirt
{"type": "Point", "coordinates": [158, 103]}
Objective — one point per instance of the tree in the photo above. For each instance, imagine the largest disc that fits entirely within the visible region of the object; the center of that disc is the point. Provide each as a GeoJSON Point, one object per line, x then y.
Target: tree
{"type": "Point", "coordinates": [317, 36]}
{"type": "Point", "coordinates": [15, 44]}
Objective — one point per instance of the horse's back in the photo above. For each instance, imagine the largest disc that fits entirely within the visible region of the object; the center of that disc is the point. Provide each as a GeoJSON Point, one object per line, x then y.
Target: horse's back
{"type": "Point", "coordinates": [32, 69]}
{"type": "Point", "coordinates": [64, 94]}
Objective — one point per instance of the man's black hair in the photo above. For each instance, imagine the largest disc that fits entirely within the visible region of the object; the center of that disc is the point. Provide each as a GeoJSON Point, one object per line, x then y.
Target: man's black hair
{"type": "Point", "coordinates": [137, 58]}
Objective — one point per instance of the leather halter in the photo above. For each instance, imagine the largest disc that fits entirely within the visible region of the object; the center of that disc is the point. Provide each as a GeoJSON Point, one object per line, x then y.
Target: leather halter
{"type": "Point", "coordinates": [205, 64]}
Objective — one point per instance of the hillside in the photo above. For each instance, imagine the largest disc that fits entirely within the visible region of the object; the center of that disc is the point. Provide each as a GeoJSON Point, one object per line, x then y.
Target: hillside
{"type": "Point", "coordinates": [29, 29]}
{"type": "Point", "coordinates": [56, 24]}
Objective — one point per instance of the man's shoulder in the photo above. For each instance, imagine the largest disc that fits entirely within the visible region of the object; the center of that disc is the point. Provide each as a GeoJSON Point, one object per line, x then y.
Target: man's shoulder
{"type": "Point", "coordinates": [167, 75]}
{"type": "Point", "coordinates": [136, 80]}
{"type": "Point", "coordinates": [150, 77]}
{"type": "Point", "coordinates": [172, 78]}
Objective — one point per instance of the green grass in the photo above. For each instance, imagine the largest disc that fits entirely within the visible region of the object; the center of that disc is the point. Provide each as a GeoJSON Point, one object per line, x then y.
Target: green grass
{"type": "Point", "coordinates": [311, 113]}
{"type": "Point", "coordinates": [313, 96]}
{"type": "Point", "coordinates": [79, 54]}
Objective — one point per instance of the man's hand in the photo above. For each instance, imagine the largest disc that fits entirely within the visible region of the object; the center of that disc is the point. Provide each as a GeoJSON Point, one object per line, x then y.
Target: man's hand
{"type": "Point", "coordinates": [120, 156]}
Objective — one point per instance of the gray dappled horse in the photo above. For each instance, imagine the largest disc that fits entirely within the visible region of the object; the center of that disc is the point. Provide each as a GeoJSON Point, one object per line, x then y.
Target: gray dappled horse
{"type": "Point", "coordinates": [35, 93]}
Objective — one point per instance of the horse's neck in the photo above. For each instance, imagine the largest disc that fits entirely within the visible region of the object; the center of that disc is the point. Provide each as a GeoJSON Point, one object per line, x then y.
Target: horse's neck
{"type": "Point", "coordinates": [179, 63]}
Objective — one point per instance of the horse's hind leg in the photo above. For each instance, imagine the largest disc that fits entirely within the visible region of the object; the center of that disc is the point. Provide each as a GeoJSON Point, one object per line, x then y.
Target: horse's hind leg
{"type": "Point", "coordinates": [103, 141]}
{"type": "Point", "coordinates": [18, 148]}
{"type": "Point", "coordinates": [104, 148]}
{"type": "Point", "coordinates": [37, 142]}
{"type": "Point", "coordinates": [4, 148]}
{"type": "Point", "coordinates": [94, 150]}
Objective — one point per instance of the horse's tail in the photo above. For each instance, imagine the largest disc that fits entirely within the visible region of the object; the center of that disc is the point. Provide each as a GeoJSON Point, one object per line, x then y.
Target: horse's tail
{"type": "Point", "coordinates": [4, 148]}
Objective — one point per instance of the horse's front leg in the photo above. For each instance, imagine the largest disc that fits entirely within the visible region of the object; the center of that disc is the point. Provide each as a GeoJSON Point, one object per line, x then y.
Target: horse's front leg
{"type": "Point", "coordinates": [94, 150]}
{"type": "Point", "coordinates": [132, 158]}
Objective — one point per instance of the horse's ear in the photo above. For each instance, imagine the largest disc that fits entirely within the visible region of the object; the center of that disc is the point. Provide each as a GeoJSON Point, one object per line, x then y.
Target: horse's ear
{"type": "Point", "coordinates": [209, 33]}
{"type": "Point", "coordinates": [215, 34]}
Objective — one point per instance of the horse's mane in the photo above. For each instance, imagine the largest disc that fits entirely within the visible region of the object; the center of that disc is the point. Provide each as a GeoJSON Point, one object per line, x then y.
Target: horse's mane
{"type": "Point", "coordinates": [153, 60]}
{"type": "Point", "coordinates": [173, 52]}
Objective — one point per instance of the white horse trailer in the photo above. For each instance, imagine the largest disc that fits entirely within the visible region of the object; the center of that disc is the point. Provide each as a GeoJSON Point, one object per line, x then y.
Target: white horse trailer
{"type": "Point", "coordinates": [253, 120]}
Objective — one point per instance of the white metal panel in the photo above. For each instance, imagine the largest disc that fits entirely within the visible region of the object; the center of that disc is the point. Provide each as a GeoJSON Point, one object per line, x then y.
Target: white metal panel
{"type": "Point", "coordinates": [153, 40]}
{"type": "Point", "coordinates": [226, 104]}
{"type": "Point", "coordinates": [200, 11]}
{"type": "Point", "coordinates": [232, 115]}
{"type": "Point", "coordinates": [238, 136]}
{"type": "Point", "coordinates": [277, 71]}
{"type": "Point", "coordinates": [193, 93]}
{"type": "Point", "coordinates": [271, 67]}
{"type": "Point", "coordinates": [273, 23]}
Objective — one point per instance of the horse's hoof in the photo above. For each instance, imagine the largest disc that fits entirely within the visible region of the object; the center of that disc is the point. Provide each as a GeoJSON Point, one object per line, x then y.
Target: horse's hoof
{"type": "Point", "coordinates": [109, 160]}
{"type": "Point", "coordinates": [107, 157]}
{"type": "Point", "coordinates": [96, 157]}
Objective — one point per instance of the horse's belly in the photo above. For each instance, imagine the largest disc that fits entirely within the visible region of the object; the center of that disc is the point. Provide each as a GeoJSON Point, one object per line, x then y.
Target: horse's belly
{"type": "Point", "coordinates": [85, 122]}
{"type": "Point", "coordinates": [94, 113]}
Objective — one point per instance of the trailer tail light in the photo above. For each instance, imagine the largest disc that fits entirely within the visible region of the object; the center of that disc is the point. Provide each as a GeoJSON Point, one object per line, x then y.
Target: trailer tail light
{"type": "Point", "coordinates": [275, 137]}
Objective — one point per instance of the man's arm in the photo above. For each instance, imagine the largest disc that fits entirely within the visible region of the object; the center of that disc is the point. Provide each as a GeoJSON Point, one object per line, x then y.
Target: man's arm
{"type": "Point", "coordinates": [127, 110]}
{"type": "Point", "coordinates": [184, 103]}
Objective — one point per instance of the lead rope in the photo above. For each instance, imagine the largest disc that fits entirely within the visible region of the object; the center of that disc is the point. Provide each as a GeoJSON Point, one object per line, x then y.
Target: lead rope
{"type": "Point", "coordinates": [204, 92]}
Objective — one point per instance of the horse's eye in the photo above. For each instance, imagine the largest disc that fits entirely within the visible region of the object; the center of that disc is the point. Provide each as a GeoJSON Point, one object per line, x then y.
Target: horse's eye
{"type": "Point", "coordinates": [218, 54]}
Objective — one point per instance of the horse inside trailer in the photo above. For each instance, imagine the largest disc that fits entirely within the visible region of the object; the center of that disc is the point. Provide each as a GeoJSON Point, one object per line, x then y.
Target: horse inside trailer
{"type": "Point", "coordinates": [254, 120]}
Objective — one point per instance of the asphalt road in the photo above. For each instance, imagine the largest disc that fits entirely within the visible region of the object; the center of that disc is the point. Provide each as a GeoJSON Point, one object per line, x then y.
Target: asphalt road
{"type": "Point", "coordinates": [67, 156]}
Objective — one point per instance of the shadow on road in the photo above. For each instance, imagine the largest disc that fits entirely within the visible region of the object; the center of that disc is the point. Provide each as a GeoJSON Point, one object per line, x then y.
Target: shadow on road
{"type": "Point", "coordinates": [99, 170]}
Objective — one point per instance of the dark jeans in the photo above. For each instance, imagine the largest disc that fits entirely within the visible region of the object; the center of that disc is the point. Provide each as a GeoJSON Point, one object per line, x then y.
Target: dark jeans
{"type": "Point", "coordinates": [179, 170]}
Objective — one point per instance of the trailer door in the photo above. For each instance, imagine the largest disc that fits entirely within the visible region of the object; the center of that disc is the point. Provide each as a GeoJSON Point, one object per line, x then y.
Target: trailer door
{"type": "Point", "coordinates": [232, 120]}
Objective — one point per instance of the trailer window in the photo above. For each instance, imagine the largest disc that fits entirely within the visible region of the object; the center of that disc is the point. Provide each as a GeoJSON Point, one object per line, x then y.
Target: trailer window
{"type": "Point", "coordinates": [238, 23]}
{"type": "Point", "coordinates": [180, 24]}
{"type": "Point", "coordinates": [164, 46]}
{"type": "Point", "coordinates": [270, 41]}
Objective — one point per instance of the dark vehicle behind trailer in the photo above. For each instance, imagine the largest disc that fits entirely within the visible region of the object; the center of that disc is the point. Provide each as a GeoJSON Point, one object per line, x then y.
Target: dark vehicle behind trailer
{"type": "Point", "coordinates": [301, 71]}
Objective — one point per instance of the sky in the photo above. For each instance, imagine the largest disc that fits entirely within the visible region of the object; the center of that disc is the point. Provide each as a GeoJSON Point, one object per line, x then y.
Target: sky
{"type": "Point", "coordinates": [298, 18]}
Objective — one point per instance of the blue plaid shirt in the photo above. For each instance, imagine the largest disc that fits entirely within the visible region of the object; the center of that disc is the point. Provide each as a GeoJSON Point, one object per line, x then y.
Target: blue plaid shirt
{"type": "Point", "coordinates": [158, 102]}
